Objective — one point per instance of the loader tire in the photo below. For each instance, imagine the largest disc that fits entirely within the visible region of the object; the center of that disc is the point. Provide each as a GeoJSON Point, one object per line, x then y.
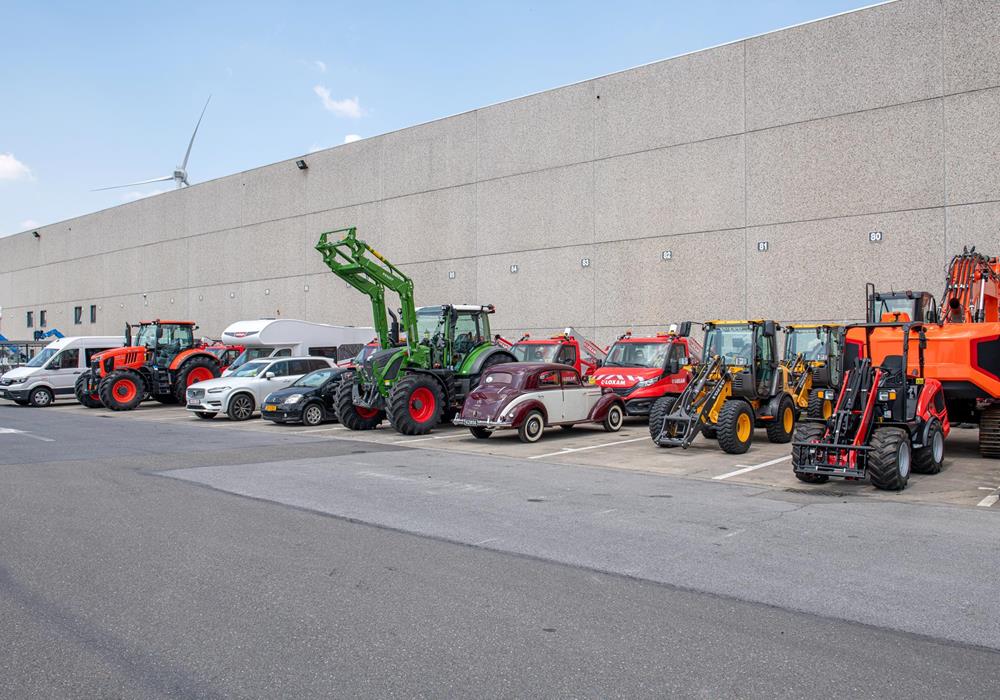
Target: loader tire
{"type": "Point", "coordinates": [735, 427]}
{"type": "Point", "coordinates": [819, 408]}
{"type": "Point", "coordinates": [416, 404]}
{"type": "Point", "coordinates": [661, 407]}
{"type": "Point", "coordinates": [88, 399]}
{"type": "Point", "coordinates": [197, 369]}
{"type": "Point", "coordinates": [122, 390]}
{"type": "Point", "coordinates": [890, 459]}
{"type": "Point", "coordinates": [989, 432]}
{"type": "Point", "coordinates": [807, 432]}
{"type": "Point", "coordinates": [930, 459]}
{"type": "Point", "coordinates": [350, 416]}
{"type": "Point", "coordinates": [781, 429]}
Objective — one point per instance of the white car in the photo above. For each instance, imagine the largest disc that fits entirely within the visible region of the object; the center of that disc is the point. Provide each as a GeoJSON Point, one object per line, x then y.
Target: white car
{"type": "Point", "coordinates": [240, 394]}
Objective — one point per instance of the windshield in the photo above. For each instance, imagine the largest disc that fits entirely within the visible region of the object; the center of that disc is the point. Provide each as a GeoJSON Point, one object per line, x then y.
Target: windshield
{"type": "Point", "coordinates": [250, 369]}
{"type": "Point", "coordinates": [809, 342]}
{"type": "Point", "coordinates": [169, 334]}
{"type": "Point", "coordinates": [250, 354]}
{"type": "Point", "coordinates": [894, 306]}
{"type": "Point", "coordinates": [42, 357]}
{"type": "Point", "coordinates": [365, 353]}
{"type": "Point", "coordinates": [430, 325]}
{"type": "Point", "coordinates": [536, 352]}
{"type": "Point", "coordinates": [733, 343]}
{"type": "Point", "coordinates": [631, 354]}
{"type": "Point", "coordinates": [315, 379]}
{"type": "Point", "coordinates": [499, 379]}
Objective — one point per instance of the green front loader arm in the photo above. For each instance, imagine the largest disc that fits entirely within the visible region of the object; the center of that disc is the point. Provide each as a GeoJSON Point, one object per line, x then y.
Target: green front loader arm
{"type": "Point", "coordinates": [348, 258]}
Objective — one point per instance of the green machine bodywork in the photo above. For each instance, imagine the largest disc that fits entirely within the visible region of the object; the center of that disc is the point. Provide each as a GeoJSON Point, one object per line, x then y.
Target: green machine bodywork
{"type": "Point", "coordinates": [418, 380]}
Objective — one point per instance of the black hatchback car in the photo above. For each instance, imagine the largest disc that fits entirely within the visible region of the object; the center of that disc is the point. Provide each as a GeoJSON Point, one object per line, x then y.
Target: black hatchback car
{"type": "Point", "coordinates": [308, 401]}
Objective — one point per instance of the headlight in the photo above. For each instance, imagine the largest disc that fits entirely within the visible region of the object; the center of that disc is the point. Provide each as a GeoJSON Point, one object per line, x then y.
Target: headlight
{"type": "Point", "coordinates": [218, 390]}
{"type": "Point", "coordinates": [887, 395]}
{"type": "Point", "coordinates": [647, 382]}
{"type": "Point", "coordinates": [294, 398]}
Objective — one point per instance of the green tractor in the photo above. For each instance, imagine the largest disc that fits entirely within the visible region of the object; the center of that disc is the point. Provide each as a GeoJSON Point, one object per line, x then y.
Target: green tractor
{"type": "Point", "coordinates": [423, 378]}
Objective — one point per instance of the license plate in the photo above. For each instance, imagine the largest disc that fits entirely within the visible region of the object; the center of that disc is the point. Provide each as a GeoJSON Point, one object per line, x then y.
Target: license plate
{"type": "Point", "coordinates": [270, 408]}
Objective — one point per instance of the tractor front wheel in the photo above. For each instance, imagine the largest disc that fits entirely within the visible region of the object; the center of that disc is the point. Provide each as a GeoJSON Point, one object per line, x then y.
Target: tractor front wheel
{"type": "Point", "coordinates": [930, 459]}
{"type": "Point", "coordinates": [122, 390]}
{"type": "Point", "coordinates": [735, 427]}
{"type": "Point", "coordinates": [416, 404]}
{"type": "Point", "coordinates": [197, 369]}
{"type": "Point", "coordinates": [780, 429]}
{"type": "Point", "coordinates": [350, 416]}
{"type": "Point", "coordinates": [807, 432]}
{"type": "Point", "coordinates": [889, 459]}
{"type": "Point", "coordinates": [87, 398]}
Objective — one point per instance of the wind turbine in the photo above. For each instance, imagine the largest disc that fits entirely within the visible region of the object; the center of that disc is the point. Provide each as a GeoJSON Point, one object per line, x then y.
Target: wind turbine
{"type": "Point", "coordinates": [180, 172]}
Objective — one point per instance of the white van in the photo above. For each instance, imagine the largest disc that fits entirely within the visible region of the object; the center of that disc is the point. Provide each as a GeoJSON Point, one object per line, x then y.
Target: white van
{"type": "Point", "coordinates": [53, 372]}
{"type": "Point", "coordinates": [287, 337]}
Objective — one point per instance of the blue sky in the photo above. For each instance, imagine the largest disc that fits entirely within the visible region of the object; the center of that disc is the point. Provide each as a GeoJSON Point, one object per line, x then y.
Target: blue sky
{"type": "Point", "coordinates": [106, 93]}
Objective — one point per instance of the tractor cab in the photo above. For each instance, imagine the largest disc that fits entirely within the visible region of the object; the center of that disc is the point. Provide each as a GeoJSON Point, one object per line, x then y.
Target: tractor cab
{"type": "Point", "coordinates": [901, 307]}
{"type": "Point", "coordinates": [163, 340]}
{"type": "Point", "coordinates": [452, 332]}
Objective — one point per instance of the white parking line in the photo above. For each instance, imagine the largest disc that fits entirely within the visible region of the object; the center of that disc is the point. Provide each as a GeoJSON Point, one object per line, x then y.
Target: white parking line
{"type": "Point", "coordinates": [570, 450]}
{"type": "Point", "coordinates": [991, 499]}
{"type": "Point", "coordinates": [433, 437]}
{"type": "Point", "coordinates": [13, 431]}
{"type": "Point", "coordinates": [316, 430]}
{"type": "Point", "coordinates": [744, 470]}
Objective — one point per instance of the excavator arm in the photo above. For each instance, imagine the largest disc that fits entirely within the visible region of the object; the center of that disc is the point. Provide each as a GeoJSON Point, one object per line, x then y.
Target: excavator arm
{"type": "Point", "coordinates": [365, 269]}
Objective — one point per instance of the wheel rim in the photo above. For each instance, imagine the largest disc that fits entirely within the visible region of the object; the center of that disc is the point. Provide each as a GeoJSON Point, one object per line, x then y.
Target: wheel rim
{"type": "Point", "coordinates": [199, 374]}
{"type": "Point", "coordinates": [42, 398]}
{"type": "Point", "coordinates": [422, 404]}
{"type": "Point", "coordinates": [788, 420]}
{"type": "Point", "coordinates": [95, 397]}
{"type": "Point", "coordinates": [241, 407]}
{"type": "Point", "coordinates": [743, 427]}
{"type": "Point", "coordinates": [904, 460]}
{"type": "Point", "coordinates": [365, 412]}
{"type": "Point", "coordinates": [827, 409]}
{"type": "Point", "coordinates": [937, 447]}
{"type": "Point", "coordinates": [313, 415]}
{"type": "Point", "coordinates": [615, 417]}
{"type": "Point", "coordinates": [124, 390]}
{"type": "Point", "coordinates": [534, 427]}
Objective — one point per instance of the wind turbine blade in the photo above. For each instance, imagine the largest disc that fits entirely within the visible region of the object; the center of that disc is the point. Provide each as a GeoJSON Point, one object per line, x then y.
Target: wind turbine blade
{"type": "Point", "coordinates": [195, 133]}
{"type": "Point", "coordinates": [133, 184]}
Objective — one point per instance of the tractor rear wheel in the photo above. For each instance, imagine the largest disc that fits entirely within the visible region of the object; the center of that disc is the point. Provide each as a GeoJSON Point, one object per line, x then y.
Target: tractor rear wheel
{"type": "Point", "coordinates": [780, 429]}
{"type": "Point", "coordinates": [930, 459]}
{"type": "Point", "coordinates": [416, 404]}
{"type": "Point", "coordinates": [819, 407]}
{"type": "Point", "coordinates": [989, 432]}
{"type": "Point", "coordinates": [889, 459]}
{"type": "Point", "coordinates": [197, 369]}
{"type": "Point", "coordinates": [807, 432]}
{"type": "Point", "coordinates": [663, 406]}
{"type": "Point", "coordinates": [735, 427]}
{"type": "Point", "coordinates": [122, 390]}
{"type": "Point", "coordinates": [350, 416]}
{"type": "Point", "coordinates": [87, 398]}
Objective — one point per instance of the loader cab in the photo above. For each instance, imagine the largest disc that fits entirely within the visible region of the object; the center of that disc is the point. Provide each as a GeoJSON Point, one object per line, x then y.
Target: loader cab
{"type": "Point", "coordinates": [749, 350]}
{"type": "Point", "coordinates": [820, 346]}
{"type": "Point", "coordinates": [901, 307]}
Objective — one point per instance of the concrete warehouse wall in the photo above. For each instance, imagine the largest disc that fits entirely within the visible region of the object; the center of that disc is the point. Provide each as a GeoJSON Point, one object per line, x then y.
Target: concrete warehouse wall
{"type": "Point", "coordinates": [882, 120]}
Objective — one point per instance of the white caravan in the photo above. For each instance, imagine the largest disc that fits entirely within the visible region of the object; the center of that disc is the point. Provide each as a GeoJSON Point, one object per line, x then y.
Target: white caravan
{"type": "Point", "coordinates": [287, 337]}
{"type": "Point", "coordinates": [53, 372]}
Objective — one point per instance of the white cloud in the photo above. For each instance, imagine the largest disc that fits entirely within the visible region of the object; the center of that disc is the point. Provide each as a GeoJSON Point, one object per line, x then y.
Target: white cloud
{"type": "Point", "coordinates": [316, 147]}
{"type": "Point", "coordinates": [133, 196]}
{"type": "Point", "coordinates": [347, 107]}
{"type": "Point", "coordinates": [321, 66]}
{"type": "Point", "coordinates": [351, 138]}
{"type": "Point", "coordinates": [29, 223]}
{"type": "Point", "coordinates": [13, 169]}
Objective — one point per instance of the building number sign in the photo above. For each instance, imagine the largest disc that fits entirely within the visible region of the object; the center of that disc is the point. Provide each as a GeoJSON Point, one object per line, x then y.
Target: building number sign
{"type": "Point", "coordinates": [875, 236]}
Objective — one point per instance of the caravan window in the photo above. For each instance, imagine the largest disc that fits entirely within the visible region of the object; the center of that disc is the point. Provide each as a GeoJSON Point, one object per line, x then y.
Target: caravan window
{"type": "Point", "coordinates": [326, 351]}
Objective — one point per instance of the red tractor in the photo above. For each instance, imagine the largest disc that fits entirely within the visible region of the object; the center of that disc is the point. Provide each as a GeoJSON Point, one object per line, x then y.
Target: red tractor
{"type": "Point", "coordinates": [162, 363]}
{"type": "Point", "coordinates": [567, 348]}
{"type": "Point", "coordinates": [641, 370]}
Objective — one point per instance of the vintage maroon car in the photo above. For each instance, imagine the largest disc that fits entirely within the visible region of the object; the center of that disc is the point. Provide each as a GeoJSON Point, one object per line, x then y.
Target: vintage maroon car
{"type": "Point", "coordinates": [528, 396]}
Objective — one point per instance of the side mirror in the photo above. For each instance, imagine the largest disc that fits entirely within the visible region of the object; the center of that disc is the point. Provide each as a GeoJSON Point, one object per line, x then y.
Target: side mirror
{"type": "Point", "coordinates": [684, 329]}
{"type": "Point", "coordinates": [769, 329]}
{"type": "Point", "coordinates": [269, 375]}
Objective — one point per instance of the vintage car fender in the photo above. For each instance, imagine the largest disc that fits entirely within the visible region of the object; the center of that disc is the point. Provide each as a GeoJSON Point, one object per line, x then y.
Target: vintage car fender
{"type": "Point", "coordinates": [603, 405]}
{"type": "Point", "coordinates": [523, 405]}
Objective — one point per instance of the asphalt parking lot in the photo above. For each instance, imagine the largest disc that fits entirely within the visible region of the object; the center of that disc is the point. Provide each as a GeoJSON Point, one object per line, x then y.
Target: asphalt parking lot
{"type": "Point", "coordinates": [966, 479]}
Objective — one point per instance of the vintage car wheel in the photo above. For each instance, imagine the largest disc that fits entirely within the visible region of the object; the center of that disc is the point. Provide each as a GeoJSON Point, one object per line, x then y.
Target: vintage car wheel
{"type": "Point", "coordinates": [481, 433]}
{"type": "Point", "coordinates": [532, 427]}
{"type": "Point", "coordinates": [614, 418]}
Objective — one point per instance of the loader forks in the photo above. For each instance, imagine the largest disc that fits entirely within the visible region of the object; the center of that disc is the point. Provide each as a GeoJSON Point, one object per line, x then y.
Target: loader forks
{"type": "Point", "coordinates": [702, 397]}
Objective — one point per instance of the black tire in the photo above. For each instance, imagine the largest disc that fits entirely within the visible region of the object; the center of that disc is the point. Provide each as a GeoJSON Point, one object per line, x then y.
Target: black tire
{"type": "Point", "coordinates": [532, 427]}
{"type": "Point", "coordinates": [734, 435]}
{"type": "Point", "coordinates": [710, 433]}
{"type": "Point", "coordinates": [781, 429]}
{"type": "Point", "coordinates": [819, 408]}
{"type": "Point", "coordinates": [349, 415]}
{"type": "Point", "coordinates": [83, 396]}
{"type": "Point", "coordinates": [989, 432]}
{"type": "Point", "coordinates": [889, 459]}
{"type": "Point", "coordinates": [41, 397]}
{"type": "Point", "coordinates": [930, 459]}
{"type": "Point", "coordinates": [206, 415]}
{"type": "Point", "coordinates": [660, 408]}
{"type": "Point", "coordinates": [481, 433]}
{"type": "Point", "coordinates": [183, 372]}
{"type": "Point", "coordinates": [614, 418]}
{"type": "Point", "coordinates": [416, 404]}
{"type": "Point", "coordinates": [312, 414]}
{"type": "Point", "coordinates": [114, 391]}
{"type": "Point", "coordinates": [807, 432]}
{"type": "Point", "coordinates": [241, 407]}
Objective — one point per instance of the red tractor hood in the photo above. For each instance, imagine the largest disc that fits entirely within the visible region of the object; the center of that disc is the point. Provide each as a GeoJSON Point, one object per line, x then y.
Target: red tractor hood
{"type": "Point", "coordinates": [624, 377]}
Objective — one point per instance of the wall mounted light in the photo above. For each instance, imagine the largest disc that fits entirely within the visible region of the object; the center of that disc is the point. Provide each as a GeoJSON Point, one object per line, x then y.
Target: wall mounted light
{"type": "Point", "coordinates": [201, 297]}
{"type": "Point", "coordinates": [305, 288]}
{"type": "Point", "coordinates": [267, 292]}
{"type": "Point", "coordinates": [36, 234]}
{"type": "Point", "coordinates": [232, 295]}
{"type": "Point", "coordinates": [301, 164]}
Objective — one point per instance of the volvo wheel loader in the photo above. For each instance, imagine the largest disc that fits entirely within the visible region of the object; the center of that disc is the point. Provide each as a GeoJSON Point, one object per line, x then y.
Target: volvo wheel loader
{"type": "Point", "coordinates": [740, 384]}
{"type": "Point", "coordinates": [814, 349]}
{"type": "Point", "coordinates": [418, 381]}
